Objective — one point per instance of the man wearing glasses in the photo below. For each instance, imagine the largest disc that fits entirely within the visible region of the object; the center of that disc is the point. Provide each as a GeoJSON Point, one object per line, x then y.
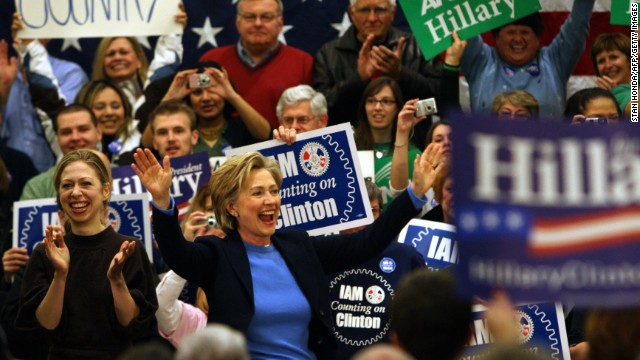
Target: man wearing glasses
{"type": "Point", "coordinates": [259, 65]}
{"type": "Point", "coordinates": [369, 48]}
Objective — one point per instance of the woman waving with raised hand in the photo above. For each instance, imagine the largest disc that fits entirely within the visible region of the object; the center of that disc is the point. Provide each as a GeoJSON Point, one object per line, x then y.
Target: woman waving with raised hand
{"type": "Point", "coordinates": [268, 284]}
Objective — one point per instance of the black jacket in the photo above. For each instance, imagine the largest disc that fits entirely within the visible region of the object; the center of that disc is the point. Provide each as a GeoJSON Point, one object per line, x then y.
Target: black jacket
{"type": "Point", "coordinates": [221, 266]}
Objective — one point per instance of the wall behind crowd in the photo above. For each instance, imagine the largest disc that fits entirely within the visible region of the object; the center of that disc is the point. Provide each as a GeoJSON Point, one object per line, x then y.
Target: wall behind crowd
{"type": "Point", "coordinates": [308, 25]}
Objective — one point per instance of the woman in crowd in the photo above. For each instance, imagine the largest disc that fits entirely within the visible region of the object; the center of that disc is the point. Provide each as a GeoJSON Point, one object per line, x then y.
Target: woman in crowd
{"type": "Point", "coordinates": [113, 111]}
{"type": "Point", "coordinates": [611, 58]}
{"type": "Point", "coordinates": [443, 194]}
{"type": "Point", "coordinates": [92, 290]}
{"type": "Point", "coordinates": [515, 105]}
{"type": "Point", "coordinates": [376, 131]}
{"type": "Point", "coordinates": [219, 129]}
{"type": "Point", "coordinates": [592, 106]}
{"type": "Point", "coordinates": [264, 283]}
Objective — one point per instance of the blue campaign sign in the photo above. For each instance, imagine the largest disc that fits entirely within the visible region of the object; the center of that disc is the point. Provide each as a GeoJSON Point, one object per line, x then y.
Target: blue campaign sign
{"type": "Point", "coordinates": [128, 215]}
{"type": "Point", "coordinates": [190, 172]}
{"type": "Point", "coordinates": [549, 211]}
{"type": "Point", "coordinates": [435, 241]}
{"type": "Point", "coordinates": [323, 188]}
{"type": "Point", "coordinates": [540, 331]}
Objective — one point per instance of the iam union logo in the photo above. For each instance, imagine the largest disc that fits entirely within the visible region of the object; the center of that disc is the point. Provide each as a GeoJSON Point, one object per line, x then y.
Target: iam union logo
{"type": "Point", "coordinates": [314, 159]}
{"type": "Point", "coordinates": [525, 326]}
{"type": "Point", "coordinates": [114, 218]}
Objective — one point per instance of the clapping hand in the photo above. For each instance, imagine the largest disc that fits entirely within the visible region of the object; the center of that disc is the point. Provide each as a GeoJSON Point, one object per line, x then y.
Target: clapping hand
{"type": "Point", "coordinates": [56, 249]}
{"type": "Point", "coordinates": [117, 263]}
{"type": "Point", "coordinates": [387, 61]}
{"type": "Point", "coordinates": [426, 167]}
{"type": "Point", "coordinates": [156, 178]}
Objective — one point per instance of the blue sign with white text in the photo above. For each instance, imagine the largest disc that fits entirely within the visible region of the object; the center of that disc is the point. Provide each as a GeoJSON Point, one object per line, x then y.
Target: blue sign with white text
{"type": "Point", "coordinates": [127, 214]}
{"type": "Point", "coordinates": [435, 241]}
{"type": "Point", "coordinates": [322, 188]}
{"type": "Point", "coordinates": [549, 211]}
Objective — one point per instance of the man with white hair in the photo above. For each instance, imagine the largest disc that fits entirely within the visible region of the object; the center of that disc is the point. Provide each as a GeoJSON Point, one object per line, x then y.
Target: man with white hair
{"type": "Point", "coordinates": [371, 47]}
{"type": "Point", "coordinates": [303, 109]}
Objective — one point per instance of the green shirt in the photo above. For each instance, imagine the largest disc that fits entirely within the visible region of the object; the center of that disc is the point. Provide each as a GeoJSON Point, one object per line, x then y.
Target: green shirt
{"type": "Point", "coordinates": [383, 154]}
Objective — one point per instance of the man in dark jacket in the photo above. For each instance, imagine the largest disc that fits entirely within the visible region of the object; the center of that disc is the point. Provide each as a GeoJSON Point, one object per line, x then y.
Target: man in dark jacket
{"type": "Point", "coordinates": [369, 48]}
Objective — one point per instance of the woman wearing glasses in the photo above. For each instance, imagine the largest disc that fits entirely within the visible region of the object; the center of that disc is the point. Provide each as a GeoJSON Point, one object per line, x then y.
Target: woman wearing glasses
{"type": "Point", "coordinates": [376, 129]}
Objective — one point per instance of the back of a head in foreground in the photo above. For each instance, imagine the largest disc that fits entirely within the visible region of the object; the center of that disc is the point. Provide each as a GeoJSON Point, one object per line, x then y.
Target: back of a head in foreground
{"type": "Point", "coordinates": [381, 352]}
{"type": "Point", "coordinates": [429, 319]}
{"type": "Point", "coordinates": [214, 342]}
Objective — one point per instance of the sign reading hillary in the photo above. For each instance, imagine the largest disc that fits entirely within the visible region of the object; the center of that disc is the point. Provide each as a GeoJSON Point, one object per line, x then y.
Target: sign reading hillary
{"type": "Point", "coordinates": [190, 172]}
{"type": "Point", "coordinates": [60, 18]}
{"type": "Point", "coordinates": [433, 21]}
{"type": "Point", "coordinates": [436, 242]}
{"type": "Point", "coordinates": [549, 211]}
{"type": "Point", "coordinates": [127, 214]}
{"type": "Point", "coordinates": [540, 330]}
{"type": "Point", "coordinates": [322, 188]}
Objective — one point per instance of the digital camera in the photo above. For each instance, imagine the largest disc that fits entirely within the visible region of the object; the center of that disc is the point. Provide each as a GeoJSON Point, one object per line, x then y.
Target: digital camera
{"type": "Point", "coordinates": [199, 81]}
{"type": "Point", "coordinates": [426, 107]}
{"type": "Point", "coordinates": [596, 121]}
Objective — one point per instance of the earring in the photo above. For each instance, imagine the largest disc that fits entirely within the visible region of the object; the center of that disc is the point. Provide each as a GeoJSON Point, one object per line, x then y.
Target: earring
{"type": "Point", "coordinates": [235, 214]}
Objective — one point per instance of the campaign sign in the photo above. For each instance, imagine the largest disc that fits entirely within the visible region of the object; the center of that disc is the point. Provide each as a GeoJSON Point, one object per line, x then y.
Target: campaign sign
{"type": "Point", "coordinates": [322, 188]}
{"type": "Point", "coordinates": [621, 12]}
{"type": "Point", "coordinates": [60, 19]}
{"type": "Point", "coordinates": [128, 215]}
{"type": "Point", "coordinates": [435, 241]}
{"type": "Point", "coordinates": [433, 21]}
{"type": "Point", "coordinates": [190, 172]}
{"type": "Point", "coordinates": [549, 211]}
{"type": "Point", "coordinates": [540, 331]}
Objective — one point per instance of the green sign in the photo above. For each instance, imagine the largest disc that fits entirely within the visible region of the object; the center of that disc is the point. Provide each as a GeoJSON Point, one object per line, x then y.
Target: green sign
{"type": "Point", "coordinates": [433, 21]}
{"type": "Point", "coordinates": [621, 12]}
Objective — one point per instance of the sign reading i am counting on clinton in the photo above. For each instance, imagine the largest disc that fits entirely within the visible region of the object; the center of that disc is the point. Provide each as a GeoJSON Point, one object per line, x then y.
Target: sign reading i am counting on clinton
{"type": "Point", "coordinates": [549, 211]}
{"type": "Point", "coordinates": [433, 21]}
{"type": "Point", "coordinates": [190, 172]}
{"type": "Point", "coordinates": [128, 214]}
{"type": "Point", "coordinates": [61, 19]}
{"type": "Point", "coordinates": [322, 188]}
{"type": "Point", "coordinates": [540, 329]}
{"type": "Point", "coordinates": [436, 242]}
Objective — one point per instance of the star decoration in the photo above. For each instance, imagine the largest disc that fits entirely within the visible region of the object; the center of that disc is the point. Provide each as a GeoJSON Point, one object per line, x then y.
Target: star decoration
{"type": "Point", "coordinates": [71, 42]}
{"type": "Point", "coordinates": [468, 222]}
{"type": "Point", "coordinates": [342, 26]}
{"type": "Point", "coordinates": [144, 41]}
{"type": "Point", "coordinates": [207, 33]}
{"type": "Point", "coordinates": [285, 28]}
{"type": "Point", "coordinates": [514, 220]}
{"type": "Point", "coordinates": [491, 220]}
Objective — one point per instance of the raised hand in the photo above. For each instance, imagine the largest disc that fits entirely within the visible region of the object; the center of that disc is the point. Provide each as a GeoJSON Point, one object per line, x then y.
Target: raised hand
{"type": "Point", "coordinates": [181, 16]}
{"type": "Point", "coordinates": [388, 62]}
{"type": "Point", "coordinates": [286, 135]}
{"type": "Point", "coordinates": [220, 83]}
{"type": "Point", "coordinates": [56, 250]}
{"type": "Point", "coordinates": [365, 65]}
{"type": "Point", "coordinates": [179, 89]}
{"type": "Point", "coordinates": [425, 168]}
{"type": "Point", "coordinates": [606, 82]}
{"type": "Point", "coordinates": [117, 263]}
{"type": "Point", "coordinates": [156, 178]}
{"type": "Point", "coordinates": [455, 51]}
{"type": "Point", "coordinates": [407, 119]}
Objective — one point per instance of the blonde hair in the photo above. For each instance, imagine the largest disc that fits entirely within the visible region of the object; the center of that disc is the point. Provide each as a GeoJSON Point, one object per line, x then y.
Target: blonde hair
{"type": "Point", "coordinates": [230, 177]}
{"type": "Point", "coordinates": [98, 72]}
{"type": "Point", "coordinates": [520, 98]}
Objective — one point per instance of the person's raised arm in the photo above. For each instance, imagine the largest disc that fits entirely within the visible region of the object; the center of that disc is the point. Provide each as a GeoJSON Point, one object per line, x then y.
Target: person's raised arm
{"type": "Point", "coordinates": [399, 178]}
{"type": "Point", "coordinates": [156, 178]}
{"type": "Point", "coordinates": [125, 307]}
{"type": "Point", "coordinates": [49, 312]}
{"type": "Point", "coordinates": [425, 168]}
{"type": "Point", "coordinates": [257, 125]}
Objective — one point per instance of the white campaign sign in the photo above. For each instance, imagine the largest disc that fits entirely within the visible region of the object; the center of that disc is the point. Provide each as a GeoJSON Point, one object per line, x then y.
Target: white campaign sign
{"type": "Point", "coordinates": [97, 18]}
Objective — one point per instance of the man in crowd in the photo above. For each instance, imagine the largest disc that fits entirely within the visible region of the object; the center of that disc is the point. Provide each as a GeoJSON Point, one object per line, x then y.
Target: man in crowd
{"type": "Point", "coordinates": [260, 66]}
{"type": "Point", "coordinates": [369, 48]}
{"type": "Point", "coordinates": [76, 128]}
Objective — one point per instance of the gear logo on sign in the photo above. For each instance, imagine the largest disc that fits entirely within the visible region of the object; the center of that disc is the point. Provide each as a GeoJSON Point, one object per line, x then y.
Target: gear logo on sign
{"type": "Point", "coordinates": [375, 295]}
{"type": "Point", "coordinates": [114, 218]}
{"type": "Point", "coordinates": [314, 159]}
{"type": "Point", "coordinates": [525, 327]}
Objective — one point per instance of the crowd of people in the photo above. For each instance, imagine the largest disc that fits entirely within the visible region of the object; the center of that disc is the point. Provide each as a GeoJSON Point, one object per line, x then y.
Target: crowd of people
{"type": "Point", "coordinates": [89, 292]}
